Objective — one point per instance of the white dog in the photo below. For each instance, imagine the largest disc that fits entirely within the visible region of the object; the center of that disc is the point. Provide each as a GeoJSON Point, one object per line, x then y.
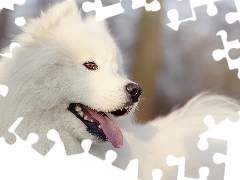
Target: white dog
{"type": "Point", "coordinates": [68, 75]}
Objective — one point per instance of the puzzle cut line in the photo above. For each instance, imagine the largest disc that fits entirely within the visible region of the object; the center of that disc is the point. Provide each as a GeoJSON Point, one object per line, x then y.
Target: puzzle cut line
{"type": "Point", "coordinates": [173, 14]}
{"type": "Point", "coordinates": [229, 131]}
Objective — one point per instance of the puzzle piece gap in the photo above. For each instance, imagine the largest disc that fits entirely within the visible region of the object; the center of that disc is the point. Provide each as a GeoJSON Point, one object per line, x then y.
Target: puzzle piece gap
{"type": "Point", "coordinates": [86, 144]}
{"type": "Point", "coordinates": [110, 156]}
{"type": "Point", "coordinates": [103, 12]}
{"type": "Point", "coordinates": [3, 90]}
{"type": "Point", "coordinates": [20, 21]}
{"type": "Point", "coordinates": [224, 53]}
{"type": "Point", "coordinates": [12, 46]}
{"type": "Point", "coordinates": [157, 174]}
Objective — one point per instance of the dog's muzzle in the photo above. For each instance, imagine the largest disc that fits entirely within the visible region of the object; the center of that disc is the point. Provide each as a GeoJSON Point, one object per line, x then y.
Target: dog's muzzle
{"type": "Point", "coordinates": [99, 124]}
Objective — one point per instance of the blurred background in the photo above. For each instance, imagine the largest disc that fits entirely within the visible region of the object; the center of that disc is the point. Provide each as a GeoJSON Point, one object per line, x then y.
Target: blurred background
{"type": "Point", "coordinates": [171, 66]}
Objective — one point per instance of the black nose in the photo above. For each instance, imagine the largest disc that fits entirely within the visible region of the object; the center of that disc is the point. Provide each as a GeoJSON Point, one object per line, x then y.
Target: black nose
{"type": "Point", "coordinates": [134, 90]}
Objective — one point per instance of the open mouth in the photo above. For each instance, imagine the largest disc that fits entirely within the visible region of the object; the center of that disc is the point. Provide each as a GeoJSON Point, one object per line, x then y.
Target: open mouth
{"type": "Point", "coordinates": [99, 124]}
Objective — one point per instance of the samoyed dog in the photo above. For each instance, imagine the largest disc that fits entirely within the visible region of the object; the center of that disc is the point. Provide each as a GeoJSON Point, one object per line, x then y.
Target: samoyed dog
{"type": "Point", "coordinates": [68, 75]}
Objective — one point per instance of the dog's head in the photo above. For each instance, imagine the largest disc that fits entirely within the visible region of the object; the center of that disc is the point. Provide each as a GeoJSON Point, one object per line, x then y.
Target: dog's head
{"type": "Point", "coordinates": [70, 69]}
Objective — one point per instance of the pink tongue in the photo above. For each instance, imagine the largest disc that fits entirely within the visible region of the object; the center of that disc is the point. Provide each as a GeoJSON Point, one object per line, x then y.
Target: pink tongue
{"type": "Point", "coordinates": [110, 129]}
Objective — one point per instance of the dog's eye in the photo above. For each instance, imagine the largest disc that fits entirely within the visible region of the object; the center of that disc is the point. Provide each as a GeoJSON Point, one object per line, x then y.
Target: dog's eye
{"type": "Point", "coordinates": [91, 65]}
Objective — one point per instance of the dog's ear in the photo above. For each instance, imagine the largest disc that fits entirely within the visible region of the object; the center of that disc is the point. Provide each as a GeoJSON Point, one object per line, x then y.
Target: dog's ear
{"type": "Point", "coordinates": [91, 21]}
{"type": "Point", "coordinates": [51, 18]}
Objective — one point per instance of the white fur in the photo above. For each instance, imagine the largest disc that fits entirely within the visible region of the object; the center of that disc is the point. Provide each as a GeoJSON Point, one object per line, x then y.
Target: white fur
{"type": "Point", "coordinates": [46, 74]}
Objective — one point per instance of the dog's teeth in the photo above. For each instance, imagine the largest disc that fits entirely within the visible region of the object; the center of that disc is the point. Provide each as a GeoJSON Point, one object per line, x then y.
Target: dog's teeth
{"type": "Point", "coordinates": [78, 109]}
{"type": "Point", "coordinates": [99, 126]}
{"type": "Point", "coordinates": [91, 120]}
{"type": "Point", "coordinates": [81, 114]}
{"type": "Point", "coordinates": [85, 117]}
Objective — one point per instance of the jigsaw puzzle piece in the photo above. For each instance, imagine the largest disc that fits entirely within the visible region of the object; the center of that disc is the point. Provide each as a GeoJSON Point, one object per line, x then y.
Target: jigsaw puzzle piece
{"type": "Point", "coordinates": [177, 11]}
{"type": "Point", "coordinates": [219, 18]}
{"type": "Point", "coordinates": [10, 29]}
{"type": "Point", "coordinates": [180, 162]}
{"type": "Point", "coordinates": [121, 161]}
{"type": "Point", "coordinates": [234, 16]}
{"type": "Point", "coordinates": [224, 131]}
{"type": "Point", "coordinates": [10, 134]}
{"type": "Point", "coordinates": [101, 11]}
{"type": "Point", "coordinates": [130, 173]}
{"type": "Point", "coordinates": [232, 158]}
{"type": "Point", "coordinates": [219, 54]}
{"type": "Point", "coordinates": [231, 161]}
{"type": "Point", "coordinates": [132, 169]}
{"type": "Point", "coordinates": [43, 141]}
{"type": "Point", "coordinates": [202, 28]}
{"type": "Point", "coordinates": [9, 4]}
{"type": "Point", "coordinates": [58, 149]}
{"type": "Point", "coordinates": [175, 20]}
{"type": "Point", "coordinates": [211, 7]}
{"type": "Point", "coordinates": [100, 153]}
{"type": "Point", "coordinates": [203, 143]}
{"type": "Point", "coordinates": [229, 131]}
{"type": "Point", "coordinates": [153, 6]}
